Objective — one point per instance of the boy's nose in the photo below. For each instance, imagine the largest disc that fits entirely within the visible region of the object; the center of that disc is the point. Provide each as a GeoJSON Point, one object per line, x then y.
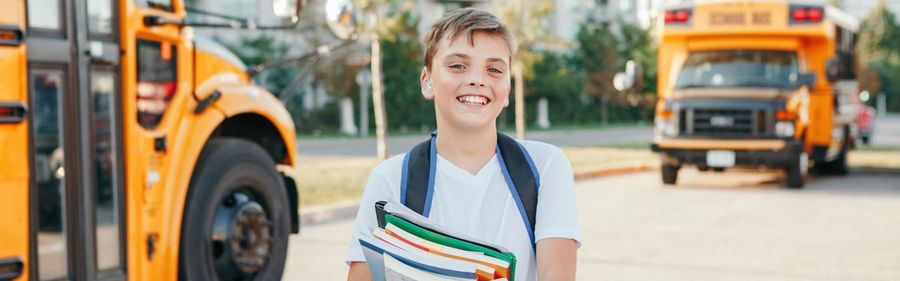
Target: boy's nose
{"type": "Point", "coordinates": [476, 84]}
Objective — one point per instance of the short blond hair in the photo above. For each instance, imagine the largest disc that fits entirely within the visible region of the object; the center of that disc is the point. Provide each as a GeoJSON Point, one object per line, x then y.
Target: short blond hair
{"type": "Point", "coordinates": [465, 21]}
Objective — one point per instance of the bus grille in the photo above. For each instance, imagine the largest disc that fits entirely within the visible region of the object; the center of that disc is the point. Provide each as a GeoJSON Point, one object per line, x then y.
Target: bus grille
{"type": "Point", "coordinates": [723, 122]}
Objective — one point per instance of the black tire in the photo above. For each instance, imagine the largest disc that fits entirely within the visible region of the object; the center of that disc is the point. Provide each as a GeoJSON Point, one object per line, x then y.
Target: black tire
{"type": "Point", "coordinates": [669, 174]}
{"type": "Point", "coordinates": [236, 193]}
{"type": "Point", "coordinates": [839, 166]}
{"type": "Point", "coordinates": [797, 169]}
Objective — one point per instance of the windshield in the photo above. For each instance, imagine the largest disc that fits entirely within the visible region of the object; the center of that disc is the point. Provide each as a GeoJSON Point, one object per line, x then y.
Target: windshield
{"type": "Point", "coordinates": [739, 69]}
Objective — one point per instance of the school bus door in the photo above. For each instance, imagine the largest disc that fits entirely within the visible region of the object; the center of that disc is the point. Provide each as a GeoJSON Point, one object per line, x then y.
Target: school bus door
{"type": "Point", "coordinates": [77, 219]}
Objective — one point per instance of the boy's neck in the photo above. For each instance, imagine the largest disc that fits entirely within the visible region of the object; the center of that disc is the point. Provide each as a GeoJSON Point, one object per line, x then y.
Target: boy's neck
{"type": "Point", "coordinates": [469, 150]}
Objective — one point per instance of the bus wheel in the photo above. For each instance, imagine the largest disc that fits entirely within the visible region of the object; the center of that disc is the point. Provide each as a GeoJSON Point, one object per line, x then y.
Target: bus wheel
{"type": "Point", "coordinates": [669, 174]}
{"type": "Point", "coordinates": [236, 219]}
{"type": "Point", "coordinates": [797, 170]}
{"type": "Point", "coordinates": [839, 165]}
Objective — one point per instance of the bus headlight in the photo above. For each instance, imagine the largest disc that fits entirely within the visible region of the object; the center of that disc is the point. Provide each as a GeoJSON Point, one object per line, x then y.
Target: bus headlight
{"type": "Point", "coordinates": [784, 129]}
{"type": "Point", "coordinates": [666, 126]}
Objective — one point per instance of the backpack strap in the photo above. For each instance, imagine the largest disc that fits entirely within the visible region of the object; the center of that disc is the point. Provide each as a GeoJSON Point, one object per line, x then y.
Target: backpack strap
{"type": "Point", "coordinates": [417, 186]}
{"type": "Point", "coordinates": [521, 178]}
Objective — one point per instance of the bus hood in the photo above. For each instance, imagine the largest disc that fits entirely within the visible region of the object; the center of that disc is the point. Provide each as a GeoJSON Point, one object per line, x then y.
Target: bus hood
{"type": "Point", "coordinates": [733, 93]}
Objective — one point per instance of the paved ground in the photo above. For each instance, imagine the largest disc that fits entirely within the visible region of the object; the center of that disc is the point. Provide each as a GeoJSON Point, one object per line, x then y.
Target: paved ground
{"type": "Point", "coordinates": [737, 225]}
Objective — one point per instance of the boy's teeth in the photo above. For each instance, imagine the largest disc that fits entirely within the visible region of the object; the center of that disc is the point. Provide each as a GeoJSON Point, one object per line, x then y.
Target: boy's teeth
{"type": "Point", "coordinates": [473, 100]}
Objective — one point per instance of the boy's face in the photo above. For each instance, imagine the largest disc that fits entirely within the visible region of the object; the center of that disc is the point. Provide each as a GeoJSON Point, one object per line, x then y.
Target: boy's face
{"type": "Point", "coordinates": [469, 83]}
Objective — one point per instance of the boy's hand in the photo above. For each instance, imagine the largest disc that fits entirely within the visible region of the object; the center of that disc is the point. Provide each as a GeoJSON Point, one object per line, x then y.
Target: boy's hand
{"type": "Point", "coordinates": [359, 271]}
{"type": "Point", "coordinates": [556, 259]}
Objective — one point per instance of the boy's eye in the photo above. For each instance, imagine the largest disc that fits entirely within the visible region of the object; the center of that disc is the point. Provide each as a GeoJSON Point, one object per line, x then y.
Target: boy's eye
{"type": "Point", "coordinates": [494, 69]}
{"type": "Point", "coordinates": [457, 66]}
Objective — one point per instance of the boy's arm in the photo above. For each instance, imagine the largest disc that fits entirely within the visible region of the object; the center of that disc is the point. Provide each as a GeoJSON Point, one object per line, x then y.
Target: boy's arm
{"type": "Point", "coordinates": [556, 259]}
{"type": "Point", "coordinates": [359, 271]}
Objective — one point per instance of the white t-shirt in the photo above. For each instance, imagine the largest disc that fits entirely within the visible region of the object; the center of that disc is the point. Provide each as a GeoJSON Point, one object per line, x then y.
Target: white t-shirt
{"type": "Point", "coordinates": [481, 205]}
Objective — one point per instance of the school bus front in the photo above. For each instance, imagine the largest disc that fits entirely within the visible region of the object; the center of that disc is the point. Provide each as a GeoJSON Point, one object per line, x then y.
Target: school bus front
{"type": "Point", "coordinates": [133, 148]}
{"type": "Point", "coordinates": [753, 83]}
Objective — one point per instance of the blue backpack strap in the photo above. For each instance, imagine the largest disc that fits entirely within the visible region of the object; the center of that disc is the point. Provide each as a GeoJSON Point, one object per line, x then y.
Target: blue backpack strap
{"type": "Point", "coordinates": [417, 181]}
{"type": "Point", "coordinates": [521, 178]}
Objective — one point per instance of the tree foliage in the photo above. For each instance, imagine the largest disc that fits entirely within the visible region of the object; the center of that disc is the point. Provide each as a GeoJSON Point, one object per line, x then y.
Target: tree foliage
{"type": "Point", "coordinates": [402, 54]}
{"type": "Point", "coordinates": [598, 56]}
{"type": "Point", "coordinates": [877, 49]}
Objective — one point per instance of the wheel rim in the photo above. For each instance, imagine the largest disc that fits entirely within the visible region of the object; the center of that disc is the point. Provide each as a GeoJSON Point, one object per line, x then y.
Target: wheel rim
{"type": "Point", "coordinates": [241, 236]}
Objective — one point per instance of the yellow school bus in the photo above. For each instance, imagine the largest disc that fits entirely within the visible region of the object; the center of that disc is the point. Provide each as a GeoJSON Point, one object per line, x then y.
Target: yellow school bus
{"type": "Point", "coordinates": [132, 149]}
{"type": "Point", "coordinates": [756, 84]}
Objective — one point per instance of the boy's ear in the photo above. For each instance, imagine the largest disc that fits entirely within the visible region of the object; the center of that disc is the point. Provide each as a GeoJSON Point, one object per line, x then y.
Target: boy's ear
{"type": "Point", "coordinates": [424, 79]}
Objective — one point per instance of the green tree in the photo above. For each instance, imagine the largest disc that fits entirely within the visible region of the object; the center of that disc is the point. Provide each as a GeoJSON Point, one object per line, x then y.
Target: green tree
{"type": "Point", "coordinates": [637, 45]}
{"type": "Point", "coordinates": [879, 39]}
{"type": "Point", "coordinates": [598, 59]}
{"type": "Point", "coordinates": [381, 18]}
{"type": "Point", "coordinates": [527, 20]}
{"type": "Point", "coordinates": [556, 79]}
{"type": "Point", "coordinates": [402, 54]}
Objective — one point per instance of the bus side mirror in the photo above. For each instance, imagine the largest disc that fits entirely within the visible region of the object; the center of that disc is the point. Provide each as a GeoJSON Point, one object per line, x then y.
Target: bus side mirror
{"type": "Point", "coordinates": [808, 79]}
{"type": "Point", "coordinates": [832, 69]}
{"type": "Point", "coordinates": [287, 9]}
{"type": "Point", "coordinates": [341, 19]}
{"type": "Point", "coordinates": [631, 78]}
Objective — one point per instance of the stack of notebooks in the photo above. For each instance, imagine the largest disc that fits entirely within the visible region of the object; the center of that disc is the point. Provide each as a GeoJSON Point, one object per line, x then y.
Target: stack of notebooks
{"type": "Point", "coordinates": [406, 246]}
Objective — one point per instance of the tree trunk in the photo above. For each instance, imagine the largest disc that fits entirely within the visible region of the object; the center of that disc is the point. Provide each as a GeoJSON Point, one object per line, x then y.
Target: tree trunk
{"type": "Point", "coordinates": [378, 98]}
{"type": "Point", "coordinates": [604, 109]}
{"type": "Point", "coordinates": [520, 101]}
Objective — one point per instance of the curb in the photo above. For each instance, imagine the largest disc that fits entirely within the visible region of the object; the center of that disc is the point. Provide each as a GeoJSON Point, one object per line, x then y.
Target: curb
{"type": "Point", "coordinates": [347, 210]}
{"type": "Point", "coordinates": [613, 171]}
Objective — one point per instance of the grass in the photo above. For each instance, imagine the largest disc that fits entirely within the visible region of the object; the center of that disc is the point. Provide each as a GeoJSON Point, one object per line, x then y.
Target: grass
{"type": "Point", "coordinates": [584, 159]}
{"type": "Point", "coordinates": [337, 180]}
{"type": "Point", "coordinates": [333, 181]}
{"type": "Point", "coordinates": [874, 158]}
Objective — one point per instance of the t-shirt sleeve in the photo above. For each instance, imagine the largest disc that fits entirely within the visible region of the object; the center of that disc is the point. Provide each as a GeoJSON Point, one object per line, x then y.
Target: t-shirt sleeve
{"type": "Point", "coordinates": [379, 187]}
{"type": "Point", "coordinates": [557, 213]}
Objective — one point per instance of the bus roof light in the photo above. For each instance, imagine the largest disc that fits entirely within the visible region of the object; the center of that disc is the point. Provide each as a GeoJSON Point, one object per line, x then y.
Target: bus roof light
{"type": "Point", "coordinates": [682, 16]}
{"type": "Point", "coordinates": [799, 14]}
{"type": "Point", "coordinates": [814, 14]}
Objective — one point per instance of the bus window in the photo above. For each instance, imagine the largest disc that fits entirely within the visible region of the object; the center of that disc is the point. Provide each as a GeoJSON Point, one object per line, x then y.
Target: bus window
{"type": "Point", "coordinates": [44, 14]}
{"type": "Point", "coordinates": [103, 144]}
{"type": "Point", "coordinates": [100, 15]}
{"type": "Point", "coordinates": [165, 5]}
{"type": "Point", "coordinates": [47, 92]}
{"type": "Point", "coordinates": [156, 80]}
{"type": "Point", "coordinates": [739, 68]}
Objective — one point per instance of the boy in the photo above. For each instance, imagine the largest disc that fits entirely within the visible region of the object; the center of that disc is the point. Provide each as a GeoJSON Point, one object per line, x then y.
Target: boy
{"type": "Point", "coordinates": [468, 56]}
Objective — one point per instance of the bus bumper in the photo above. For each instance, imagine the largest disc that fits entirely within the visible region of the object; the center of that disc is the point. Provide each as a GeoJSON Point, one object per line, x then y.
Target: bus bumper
{"type": "Point", "coordinates": [771, 153]}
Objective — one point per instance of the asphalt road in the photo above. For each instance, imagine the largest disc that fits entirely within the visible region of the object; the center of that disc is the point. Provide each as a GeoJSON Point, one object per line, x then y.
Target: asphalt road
{"type": "Point", "coordinates": [886, 133]}
{"type": "Point", "coordinates": [362, 147]}
{"type": "Point", "coordinates": [737, 225]}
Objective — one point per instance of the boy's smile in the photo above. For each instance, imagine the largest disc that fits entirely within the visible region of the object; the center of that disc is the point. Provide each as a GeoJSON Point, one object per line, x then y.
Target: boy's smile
{"type": "Point", "coordinates": [469, 81]}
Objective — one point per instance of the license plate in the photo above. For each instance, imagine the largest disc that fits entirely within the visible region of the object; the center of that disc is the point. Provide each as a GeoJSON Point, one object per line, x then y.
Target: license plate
{"type": "Point", "coordinates": [720, 158]}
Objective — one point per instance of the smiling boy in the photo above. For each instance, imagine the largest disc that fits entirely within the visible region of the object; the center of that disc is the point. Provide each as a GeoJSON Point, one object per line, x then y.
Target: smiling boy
{"type": "Point", "coordinates": [468, 56]}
